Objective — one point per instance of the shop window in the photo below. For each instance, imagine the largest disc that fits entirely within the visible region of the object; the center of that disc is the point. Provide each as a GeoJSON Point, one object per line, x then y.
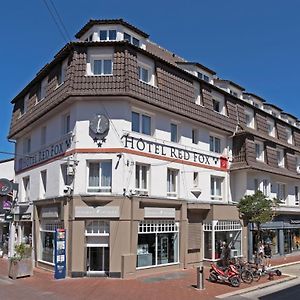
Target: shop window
{"type": "Point", "coordinates": [47, 235]}
{"type": "Point", "coordinates": [100, 177]}
{"type": "Point", "coordinates": [228, 232]}
{"type": "Point", "coordinates": [172, 183]}
{"type": "Point", "coordinates": [141, 179]}
{"type": "Point", "coordinates": [158, 243]}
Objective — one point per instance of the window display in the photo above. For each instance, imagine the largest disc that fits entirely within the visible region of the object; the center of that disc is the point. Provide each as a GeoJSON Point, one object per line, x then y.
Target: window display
{"type": "Point", "coordinates": [158, 243]}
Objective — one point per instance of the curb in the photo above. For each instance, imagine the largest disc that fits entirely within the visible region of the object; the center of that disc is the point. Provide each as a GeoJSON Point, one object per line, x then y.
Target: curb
{"type": "Point", "coordinates": [285, 265]}
{"type": "Point", "coordinates": [257, 287]}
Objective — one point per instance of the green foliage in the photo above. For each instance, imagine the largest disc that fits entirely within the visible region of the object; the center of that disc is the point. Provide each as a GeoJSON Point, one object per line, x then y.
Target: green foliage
{"type": "Point", "coordinates": [257, 208]}
{"type": "Point", "coordinates": [21, 251]}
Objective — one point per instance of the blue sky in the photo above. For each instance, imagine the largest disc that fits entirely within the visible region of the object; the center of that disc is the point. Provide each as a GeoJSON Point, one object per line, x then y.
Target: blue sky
{"type": "Point", "coordinates": [254, 43]}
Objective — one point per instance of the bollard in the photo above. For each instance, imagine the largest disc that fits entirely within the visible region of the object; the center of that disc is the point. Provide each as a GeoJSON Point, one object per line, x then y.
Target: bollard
{"type": "Point", "coordinates": [200, 277]}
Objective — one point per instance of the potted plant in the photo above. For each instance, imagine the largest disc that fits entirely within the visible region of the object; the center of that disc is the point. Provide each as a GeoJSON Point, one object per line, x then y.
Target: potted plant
{"type": "Point", "coordinates": [20, 264]}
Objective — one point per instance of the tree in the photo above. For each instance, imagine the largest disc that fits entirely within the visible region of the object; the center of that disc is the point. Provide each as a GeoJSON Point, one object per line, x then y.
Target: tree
{"type": "Point", "coordinates": [257, 209]}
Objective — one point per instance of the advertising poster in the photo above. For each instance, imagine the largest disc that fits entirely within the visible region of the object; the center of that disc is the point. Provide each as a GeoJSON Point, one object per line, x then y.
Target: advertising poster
{"type": "Point", "coordinates": [60, 254]}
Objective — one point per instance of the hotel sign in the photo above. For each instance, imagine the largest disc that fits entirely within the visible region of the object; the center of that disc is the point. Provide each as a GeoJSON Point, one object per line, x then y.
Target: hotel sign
{"type": "Point", "coordinates": [159, 212]}
{"type": "Point", "coordinates": [51, 151]}
{"type": "Point", "coordinates": [175, 153]}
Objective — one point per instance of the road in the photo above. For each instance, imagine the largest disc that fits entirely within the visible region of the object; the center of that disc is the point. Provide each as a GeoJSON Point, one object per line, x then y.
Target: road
{"type": "Point", "coordinates": [283, 291]}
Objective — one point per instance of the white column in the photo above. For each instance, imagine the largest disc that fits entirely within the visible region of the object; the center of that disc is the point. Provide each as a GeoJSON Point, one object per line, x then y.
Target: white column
{"type": "Point", "coordinates": [11, 241]}
{"type": "Point", "coordinates": [213, 244]}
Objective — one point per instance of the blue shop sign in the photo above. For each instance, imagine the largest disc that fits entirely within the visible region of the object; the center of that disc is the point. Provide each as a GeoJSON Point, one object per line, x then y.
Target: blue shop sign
{"type": "Point", "coordinates": [60, 254]}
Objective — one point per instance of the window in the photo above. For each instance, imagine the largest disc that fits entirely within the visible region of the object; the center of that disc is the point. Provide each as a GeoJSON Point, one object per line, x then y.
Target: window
{"type": "Point", "coordinates": [131, 39]}
{"type": "Point", "coordinates": [280, 158]}
{"type": "Point", "coordinates": [205, 78]}
{"type": "Point", "coordinates": [43, 135]}
{"type": "Point", "coordinates": [108, 35]}
{"type": "Point", "coordinates": [296, 195]}
{"type": "Point", "coordinates": [41, 92]}
{"type": "Point", "coordinates": [214, 144]}
{"type": "Point", "coordinates": [259, 151]}
{"type": "Point", "coordinates": [174, 133]}
{"type": "Point", "coordinates": [47, 233]}
{"type": "Point", "coordinates": [197, 91]}
{"type": "Point", "coordinates": [216, 188]}
{"type": "Point", "coordinates": [102, 67]}
{"type": "Point", "coordinates": [141, 179]}
{"type": "Point", "coordinates": [140, 123]}
{"type": "Point", "coordinates": [196, 179]}
{"type": "Point", "coordinates": [158, 243]}
{"type": "Point", "coordinates": [143, 74]}
{"type": "Point", "coordinates": [66, 128]}
{"type": "Point", "coordinates": [266, 187]}
{"type": "Point", "coordinates": [26, 188]}
{"type": "Point", "coordinates": [27, 145]}
{"type": "Point", "coordinates": [271, 128]}
{"type": "Point", "coordinates": [249, 118]}
{"type": "Point", "coordinates": [99, 177]}
{"type": "Point", "coordinates": [216, 106]}
{"type": "Point", "coordinates": [289, 135]}
{"type": "Point", "coordinates": [281, 191]}
{"type": "Point", "coordinates": [200, 75]}
{"type": "Point", "coordinates": [172, 182]}
{"type": "Point", "coordinates": [256, 185]}
{"type": "Point", "coordinates": [233, 93]}
{"type": "Point", "coordinates": [43, 183]}
{"type": "Point", "coordinates": [195, 136]}
{"type": "Point", "coordinates": [61, 75]}
{"type": "Point", "coordinates": [23, 105]}
{"type": "Point", "coordinates": [67, 179]}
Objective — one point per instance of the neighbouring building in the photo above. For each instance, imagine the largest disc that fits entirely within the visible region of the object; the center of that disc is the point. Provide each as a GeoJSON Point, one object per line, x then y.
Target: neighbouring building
{"type": "Point", "coordinates": [140, 155]}
{"type": "Point", "coordinates": [7, 172]}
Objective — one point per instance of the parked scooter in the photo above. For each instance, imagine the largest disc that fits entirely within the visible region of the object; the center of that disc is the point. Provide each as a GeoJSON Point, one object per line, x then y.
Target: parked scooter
{"type": "Point", "coordinates": [229, 275]}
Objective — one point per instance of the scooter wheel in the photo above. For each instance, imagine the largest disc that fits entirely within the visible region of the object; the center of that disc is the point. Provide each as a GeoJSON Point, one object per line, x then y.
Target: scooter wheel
{"type": "Point", "coordinates": [213, 277]}
{"type": "Point", "coordinates": [235, 281]}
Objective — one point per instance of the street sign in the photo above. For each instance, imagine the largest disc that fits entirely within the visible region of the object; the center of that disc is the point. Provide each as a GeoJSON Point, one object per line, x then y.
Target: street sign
{"type": "Point", "coordinates": [60, 254]}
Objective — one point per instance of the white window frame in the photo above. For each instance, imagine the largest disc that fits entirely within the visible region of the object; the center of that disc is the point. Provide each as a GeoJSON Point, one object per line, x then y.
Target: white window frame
{"type": "Point", "coordinates": [139, 190]}
{"type": "Point", "coordinates": [250, 114]}
{"type": "Point", "coordinates": [213, 187]}
{"type": "Point", "coordinates": [141, 114]}
{"type": "Point", "coordinates": [266, 187]}
{"type": "Point", "coordinates": [195, 179]}
{"type": "Point", "coordinates": [63, 72]}
{"type": "Point", "coordinates": [107, 35]}
{"type": "Point", "coordinates": [289, 135]}
{"type": "Point", "coordinates": [66, 123]}
{"type": "Point", "coordinates": [43, 135]}
{"type": "Point", "coordinates": [43, 90]}
{"type": "Point", "coordinates": [280, 159]}
{"type": "Point", "coordinates": [172, 173]}
{"type": "Point", "coordinates": [260, 156]}
{"type": "Point", "coordinates": [174, 125]}
{"type": "Point", "coordinates": [271, 123]}
{"type": "Point", "coordinates": [214, 149]}
{"type": "Point", "coordinates": [25, 106]}
{"type": "Point", "coordinates": [198, 95]}
{"type": "Point", "coordinates": [195, 136]}
{"type": "Point", "coordinates": [102, 57]}
{"type": "Point", "coordinates": [281, 185]}
{"type": "Point", "coordinates": [147, 64]}
{"type": "Point", "coordinates": [103, 189]}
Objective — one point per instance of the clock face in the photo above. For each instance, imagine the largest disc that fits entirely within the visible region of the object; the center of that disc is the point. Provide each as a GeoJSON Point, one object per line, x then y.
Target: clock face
{"type": "Point", "coordinates": [99, 124]}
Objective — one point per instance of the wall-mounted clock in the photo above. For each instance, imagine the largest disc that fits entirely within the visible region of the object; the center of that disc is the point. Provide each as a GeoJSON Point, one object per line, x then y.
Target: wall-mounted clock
{"type": "Point", "coordinates": [99, 124]}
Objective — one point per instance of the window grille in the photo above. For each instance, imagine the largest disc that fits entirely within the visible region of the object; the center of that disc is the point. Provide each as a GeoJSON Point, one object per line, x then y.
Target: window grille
{"type": "Point", "coordinates": [158, 226]}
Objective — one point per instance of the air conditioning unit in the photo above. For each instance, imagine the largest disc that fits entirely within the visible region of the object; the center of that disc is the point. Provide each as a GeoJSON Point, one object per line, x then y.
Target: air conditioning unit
{"type": "Point", "coordinates": [298, 169]}
{"type": "Point", "coordinates": [234, 252]}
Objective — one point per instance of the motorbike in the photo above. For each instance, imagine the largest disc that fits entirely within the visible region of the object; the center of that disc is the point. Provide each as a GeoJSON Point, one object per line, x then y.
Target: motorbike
{"type": "Point", "coordinates": [229, 275]}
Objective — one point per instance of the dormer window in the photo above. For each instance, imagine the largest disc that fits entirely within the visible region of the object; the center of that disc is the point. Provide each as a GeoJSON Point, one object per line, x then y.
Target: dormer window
{"type": "Point", "coordinates": [41, 92]}
{"type": "Point", "coordinates": [108, 35]}
{"type": "Point", "coordinates": [216, 106]}
{"type": "Point", "coordinates": [202, 76]}
{"type": "Point", "coordinates": [89, 38]}
{"type": "Point", "coordinates": [146, 70]}
{"type": "Point", "coordinates": [280, 158]}
{"type": "Point", "coordinates": [233, 93]}
{"type": "Point", "coordinates": [197, 91]}
{"type": "Point", "coordinates": [249, 118]}
{"type": "Point", "coordinates": [131, 39]}
{"type": "Point", "coordinates": [289, 135]}
{"type": "Point", "coordinates": [271, 127]}
{"type": "Point", "coordinates": [143, 74]}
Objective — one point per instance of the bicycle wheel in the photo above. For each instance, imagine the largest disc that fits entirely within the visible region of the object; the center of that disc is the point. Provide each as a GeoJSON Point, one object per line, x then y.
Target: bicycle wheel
{"type": "Point", "coordinates": [256, 274]}
{"type": "Point", "coordinates": [247, 276]}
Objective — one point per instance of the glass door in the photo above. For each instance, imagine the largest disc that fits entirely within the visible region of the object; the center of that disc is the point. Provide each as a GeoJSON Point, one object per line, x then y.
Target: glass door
{"type": "Point", "coordinates": [97, 259]}
{"type": "Point", "coordinates": [287, 241]}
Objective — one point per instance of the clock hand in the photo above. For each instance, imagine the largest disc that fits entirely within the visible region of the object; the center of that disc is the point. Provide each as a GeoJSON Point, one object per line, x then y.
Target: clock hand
{"type": "Point", "coordinates": [98, 125]}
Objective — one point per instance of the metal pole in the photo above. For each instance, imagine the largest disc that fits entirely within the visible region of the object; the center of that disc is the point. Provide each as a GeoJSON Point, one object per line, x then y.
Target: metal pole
{"type": "Point", "coordinates": [200, 277]}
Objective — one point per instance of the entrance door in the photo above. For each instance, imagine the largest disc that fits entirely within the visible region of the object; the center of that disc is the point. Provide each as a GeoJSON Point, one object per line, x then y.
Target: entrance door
{"type": "Point", "coordinates": [97, 259]}
{"type": "Point", "coordinates": [287, 241]}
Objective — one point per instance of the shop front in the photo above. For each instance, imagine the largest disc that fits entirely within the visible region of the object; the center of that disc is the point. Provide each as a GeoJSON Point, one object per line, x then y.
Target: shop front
{"type": "Point", "coordinates": [282, 234]}
{"type": "Point", "coordinates": [223, 227]}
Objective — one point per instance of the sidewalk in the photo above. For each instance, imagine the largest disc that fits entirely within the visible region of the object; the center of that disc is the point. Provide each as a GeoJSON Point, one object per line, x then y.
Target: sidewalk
{"type": "Point", "coordinates": [176, 285]}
